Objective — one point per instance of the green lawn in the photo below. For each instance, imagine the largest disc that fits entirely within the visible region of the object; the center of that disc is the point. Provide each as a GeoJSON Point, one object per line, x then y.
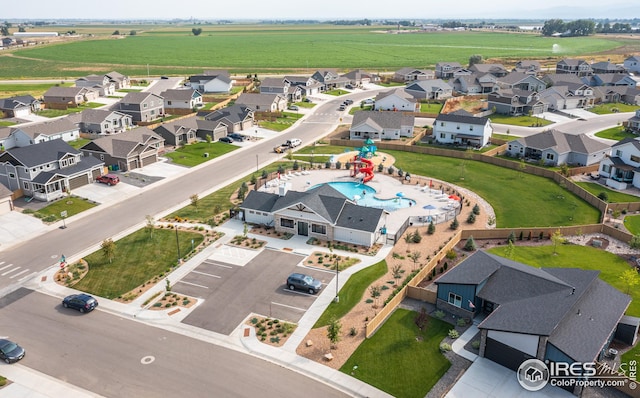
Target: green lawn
{"type": "Point", "coordinates": [72, 205]}
{"type": "Point", "coordinates": [525, 121]}
{"type": "Point", "coordinates": [337, 92]}
{"type": "Point", "coordinates": [138, 259]}
{"type": "Point", "coordinates": [4, 123]}
{"type": "Point", "coordinates": [434, 108]}
{"type": "Point", "coordinates": [518, 199]}
{"type": "Point", "coordinates": [79, 143]}
{"type": "Point", "coordinates": [614, 196]}
{"type": "Point", "coordinates": [396, 361]}
{"type": "Point", "coordinates": [352, 292]}
{"type": "Point", "coordinates": [632, 224]}
{"type": "Point", "coordinates": [34, 89]}
{"type": "Point", "coordinates": [51, 113]}
{"type": "Point", "coordinates": [615, 133]}
{"type": "Point", "coordinates": [322, 149]}
{"type": "Point", "coordinates": [281, 123]}
{"type": "Point", "coordinates": [193, 154]}
{"type": "Point", "coordinates": [577, 256]}
{"type": "Point", "coordinates": [615, 107]}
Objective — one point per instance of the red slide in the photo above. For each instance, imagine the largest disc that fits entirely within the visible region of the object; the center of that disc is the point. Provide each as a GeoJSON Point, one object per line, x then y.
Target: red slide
{"type": "Point", "coordinates": [367, 171]}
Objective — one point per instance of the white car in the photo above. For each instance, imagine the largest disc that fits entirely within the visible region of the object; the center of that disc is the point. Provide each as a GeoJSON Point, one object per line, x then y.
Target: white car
{"type": "Point", "coordinates": [294, 142]}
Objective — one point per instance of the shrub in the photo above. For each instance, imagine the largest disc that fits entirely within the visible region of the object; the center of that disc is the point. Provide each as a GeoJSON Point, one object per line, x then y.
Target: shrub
{"type": "Point", "coordinates": [445, 347]}
{"type": "Point", "coordinates": [461, 322]}
{"type": "Point", "coordinates": [470, 245]}
{"type": "Point", "coordinates": [453, 334]}
{"type": "Point", "coordinates": [475, 344]}
{"type": "Point", "coordinates": [476, 210]}
{"type": "Point", "coordinates": [431, 229]}
{"type": "Point", "coordinates": [471, 219]}
{"type": "Point", "coordinates": [451, 255]}
{"type": "Point", "coordinates": [353, 331]}
{"type": "Point", "coordinates": [603, 196]}
{"type": "Point", "coordinates": [511, 238]}
{"type": "Point", "coordinates": [416, 238]}
{"type": "Point", "coordinates": [454, 224]}
{"type": "Point", "coordinates": [338, 165]}
{"type": "Point", "coordinates": [439, 314]}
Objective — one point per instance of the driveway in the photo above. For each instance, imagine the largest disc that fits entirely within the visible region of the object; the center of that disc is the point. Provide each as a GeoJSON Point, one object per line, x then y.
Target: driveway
{"type": "Point", "coordinates": [233, 291]}
{"type": "Point", "coordinates": [487, 379]}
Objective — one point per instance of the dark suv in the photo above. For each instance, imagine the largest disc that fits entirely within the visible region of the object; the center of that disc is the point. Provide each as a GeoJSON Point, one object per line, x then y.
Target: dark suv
{"type": "Point", "coordinates": [304, 282]}
{"type": "Point", "coordinates": [81, 302]}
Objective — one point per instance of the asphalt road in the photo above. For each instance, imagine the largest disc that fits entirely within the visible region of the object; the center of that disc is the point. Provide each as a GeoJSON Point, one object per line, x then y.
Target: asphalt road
{"type": "Point", "coordinates": [116, 357]}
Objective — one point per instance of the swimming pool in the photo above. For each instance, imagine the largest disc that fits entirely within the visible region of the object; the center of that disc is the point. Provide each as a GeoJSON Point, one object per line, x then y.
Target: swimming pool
{"type": "Point", "coordinates": [364, 195]}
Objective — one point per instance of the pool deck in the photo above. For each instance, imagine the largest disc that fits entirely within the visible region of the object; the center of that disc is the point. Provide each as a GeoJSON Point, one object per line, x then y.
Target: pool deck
{"type": "Point", "coordinates": [386, 188]}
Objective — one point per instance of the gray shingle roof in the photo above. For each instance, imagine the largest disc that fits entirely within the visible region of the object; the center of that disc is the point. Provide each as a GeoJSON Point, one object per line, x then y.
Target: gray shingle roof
{"type": "Point", "coordinates": [459, 118]}
{"type": "Point", "coordinates": [42, 153]}
{"type": "Point", "coordinates": [16, 102]}
{"type": "Point", "coordinates": [400, 92]}
{"type": "Point", "coordinates": [125, 143]}
{"type": "Point", "coordinates": [562, 142]}
{"type": "Point", "coordinates": [235, 113]}
{"type": "Point", "coordinates": [52, 127]}
{"type": "Point", "coordinates": [179, 94]}
{"type": "Point", "coordinates": [257, 99]}
{"type": "Point", "coordinates": [382, 119]}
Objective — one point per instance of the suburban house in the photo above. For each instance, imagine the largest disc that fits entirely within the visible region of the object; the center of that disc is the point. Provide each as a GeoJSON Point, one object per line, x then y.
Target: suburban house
{"type": "Point", "coordinates": [606, 67]}
{"type": "Point", "coordinates": [19, 106]}
{"type": "Point", "coordinates": [569, 96]}
{"type": "Point", "coordinates": [321, 212]}
{"type": "Point", "coordinates": [578, 67]}
{"type": "Point", "coordinates": [412, 74]}
{"type": "Point", "coordinates": [179, 132]}
{"type": "Point", "coordinates": [236, 117]}
{"type": "Point", "coordinates": [445, 70]}
{"type": "Point", "coordinates": [378, 126]}
{"type": "Point", "coordinates": [358, 77]}
{"type": "Point", "coordinates": [263, 102]}
{"type": "Point", "coordinates": [101, 121]}
{"type": "Point", "coordinates": [65, 97]}
{"type": "Point", "coordinates": [528, 67]}
{"type": "Point", "coordinates": [29, 134]}
{"type": "Point", "coordinates": [214, 128]}
{"type": "Point", "coordinates": [471, 84]}
{"type": "Point", "coordinates": [214, 83]}
{"type": "Point", "coordinates": [121, 81]}
{"type": "Point", "coordinates": [497, 70]}
{"type": "Point", "coordinates": [625, 94]}
{"type": "Point", "coordinates": [142, 106]}
{"type": "Point", "coordinates": [621, 168]}
{"type": "Point", "coordinates": [556, 148]}
{"type": "Point", "coordinates": [611, 79]}
{"type": "Point", "coordinates": [433, 89]}
{"type": "Point", "coordinates": [179, 100]}
{"type": "Point", "coordinates": [633, 123]}
{"type": "Point", "coordinates": [462, 128]}
{"type": "Point", "coordinates": [632, 64]}
{"type": "Point", "coordinates": [516, 102]}
{"type": "Point", "coordinates": [46, 170]}
{"type": "Point", "coordinates": [274, 85]}
{"type": "Point", "coordinates": [396, 100]}
{"type": "Point", "coordinates": [521, 81]}
{"type": "Point", "coordinates": [552, 314]}
{"type": "Point", "coordinates": [101, 83]}
{"type": "Point", "coordinates": [129, 150]}
{"type": "Point", "coordinates": [330, 79]}
{"type": "Point", "coordinates": [308, 85]}
{"type": "Point", "coordinates": [6, 203]}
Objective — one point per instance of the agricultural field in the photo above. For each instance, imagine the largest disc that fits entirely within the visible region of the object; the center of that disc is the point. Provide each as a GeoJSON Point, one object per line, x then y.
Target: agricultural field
{"type": "Point", "coordinates": [278, 49]}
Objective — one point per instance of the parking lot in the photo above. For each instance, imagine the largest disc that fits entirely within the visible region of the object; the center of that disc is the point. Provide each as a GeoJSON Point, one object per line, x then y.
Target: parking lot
{"type": "Point", "coordinates": [233, 291]}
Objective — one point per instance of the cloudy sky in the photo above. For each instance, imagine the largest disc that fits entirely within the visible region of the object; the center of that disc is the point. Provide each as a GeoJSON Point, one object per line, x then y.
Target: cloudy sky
{"type": "Point", "coordinates": [327, 9]}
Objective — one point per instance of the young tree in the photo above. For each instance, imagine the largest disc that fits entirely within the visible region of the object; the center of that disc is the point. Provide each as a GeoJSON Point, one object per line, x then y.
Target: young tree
{"type": "Point", "coordinates": [470, 245]}
{"type": "Point", "coordinates": [108, 247]}
{"type": "Point", "coordinates": [208, 138]}
{"type": "Point", "coordinates": [509, 251]}
{"type": "Point", "coordinates": [635, 242]}
{"type": "Point", "coordinates": [333, 331]}
{"type": "Point", "coordinates": [375, 291]}
{"type": "Point", "coordinates": [151, 225]}
{"type": "Point", "coordinates": [415, 257]}
{"type": "Point", "coordinates": [397, 273]}
{"type": "Point", "coordinates": [475, 59]}
{"type": "Point", "coordinates": [196, 31]}
{"type": "Point", "coordinates": [557, 239]}
{"type": "Point", "coordinates": [630, 279]}
{"type": "Point", "coordinates": [431, 229]}
{"type": "Point", "coordinates": [454, 224]}
{"type": "Point", "coordinates": [195, 200]}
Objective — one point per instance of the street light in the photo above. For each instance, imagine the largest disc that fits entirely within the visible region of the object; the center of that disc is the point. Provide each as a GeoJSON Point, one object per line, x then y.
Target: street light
{"type": "Point", "coordinates": [257, 162]}
{"type": "Point", "coordinates": [337, 298]}
{"type": "Point", "coordinates": [178, 244]}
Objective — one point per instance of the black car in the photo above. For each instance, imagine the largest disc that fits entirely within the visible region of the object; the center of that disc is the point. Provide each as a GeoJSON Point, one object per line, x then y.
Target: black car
{"type": "Point", "coordinates": [226, 139]}
{"type": "Point", "coordinates": [81, 302]}
{"type": "Point", "coordinates": [236, 137]}
{"type": "Point", "coordinates": [10, 352]}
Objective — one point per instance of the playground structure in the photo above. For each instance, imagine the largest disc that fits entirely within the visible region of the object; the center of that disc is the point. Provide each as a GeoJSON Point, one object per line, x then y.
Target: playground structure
{"type": "Point", "coordinates": [362, 161]}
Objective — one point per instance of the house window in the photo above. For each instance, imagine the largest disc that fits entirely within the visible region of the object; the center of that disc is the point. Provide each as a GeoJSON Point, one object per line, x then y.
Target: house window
{"type": "Point", "coordinates": [25, 185]}
{"type": "Point", "coordinates": [319, 229]}
{"type": "Point", "coordinates": [635, 158]}
{"type": "Point", "coordinates": [455, 299]}
{"type": "Point", "coordinates": [618, 152]}
{"type": "Point", "coordinates": [168, 102]}
{"type": "Point", "coordinates": [458, 127]}
{"type": "Point", "coordinates": [606, 168]}
{"type": "Point", "coordinates": [549, 156]}
{"type": "Point", "coordinates": [286, 223]}
{"type": "Point", "coordinates": [441, 124]}
{"type": "Point", "coordinates": [101, 156]}
{"type": "Point", "coordinates": [470, 128]}
{"type": "Point", "coordinates": [11, 175]}
{"type": "Point", "coordinates": [510, 149]}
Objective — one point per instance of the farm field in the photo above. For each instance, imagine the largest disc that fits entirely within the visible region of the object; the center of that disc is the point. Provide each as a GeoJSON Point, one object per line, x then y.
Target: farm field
{"type": "Point", "coordinates": [174, 50]}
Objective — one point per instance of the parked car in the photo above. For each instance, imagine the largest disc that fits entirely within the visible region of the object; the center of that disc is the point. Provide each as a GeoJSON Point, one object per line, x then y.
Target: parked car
{"type": "Point", "coordinates": [294, 142]}
{"type": "Point", "coordinates": [10, 352]}
{"type": "Point", "coordinates": [109, 179]}
{"type": "Point", "coordinates": [368, 102]}
{"type": "Point", "coordinates": [348, 101]}
{"type": "Point", "coordinates": [303, 282]}
{"type": "Point", "coordinates": [236, 137]}
{"type": "Point", "coordinates": [349, 87]}
{"type": "Point", "coordinates": [228, 140]}
{"type": "Point", "coordinates": [341, 107]}
{"type": "Point", "coordinates": [305, 99]}
{"type": "Point", "coordinates": [294, 108]}
{"type": "Point", "coordinates": [81, 302]}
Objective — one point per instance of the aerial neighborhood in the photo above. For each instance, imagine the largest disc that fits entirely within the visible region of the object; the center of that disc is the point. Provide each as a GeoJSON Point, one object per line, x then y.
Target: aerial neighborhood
{"type": "Point", "coordinates": [308, 213]}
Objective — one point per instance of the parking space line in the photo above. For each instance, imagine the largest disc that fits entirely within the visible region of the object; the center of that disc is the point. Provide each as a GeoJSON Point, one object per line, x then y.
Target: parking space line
{"type": "Point", "coordinates": [10, 271]}
{"type": "Point", "coordinates": [217, 264]}
{"type": "Point", "coordinates": [5, 267]}
{"type": "Point", "coordinates": [204, 273]}
{"type": "Point", "coordinates": [289, 306]}
{"type": "Point", "coordinates": [193, 284]}
{"type": "Point", "coordinates": [19, 273]}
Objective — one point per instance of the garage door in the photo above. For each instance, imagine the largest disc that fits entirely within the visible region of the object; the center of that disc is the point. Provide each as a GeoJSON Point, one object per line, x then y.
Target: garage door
{"type": "Point", "coordinates": [78, 181]}
{"type": "Point", "coordinates": [5, 206]}
{"type": "Point", "coordinates": [148, 160]}
{"type": "Point", "coordinates": [505, 355]}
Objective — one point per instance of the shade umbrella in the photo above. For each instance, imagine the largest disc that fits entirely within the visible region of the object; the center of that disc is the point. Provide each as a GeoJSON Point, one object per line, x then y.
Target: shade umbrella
{"type": "Point", "coordinates": [454, 197]}
{"type": "Point", "coordinates": [400, 194]}
{"type": "Point", "coordinates": [429, 207]}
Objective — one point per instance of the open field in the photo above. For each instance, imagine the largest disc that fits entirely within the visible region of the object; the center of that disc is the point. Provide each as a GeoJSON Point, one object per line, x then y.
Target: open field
{"type": "Point", "coordinates": [285, 48]}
